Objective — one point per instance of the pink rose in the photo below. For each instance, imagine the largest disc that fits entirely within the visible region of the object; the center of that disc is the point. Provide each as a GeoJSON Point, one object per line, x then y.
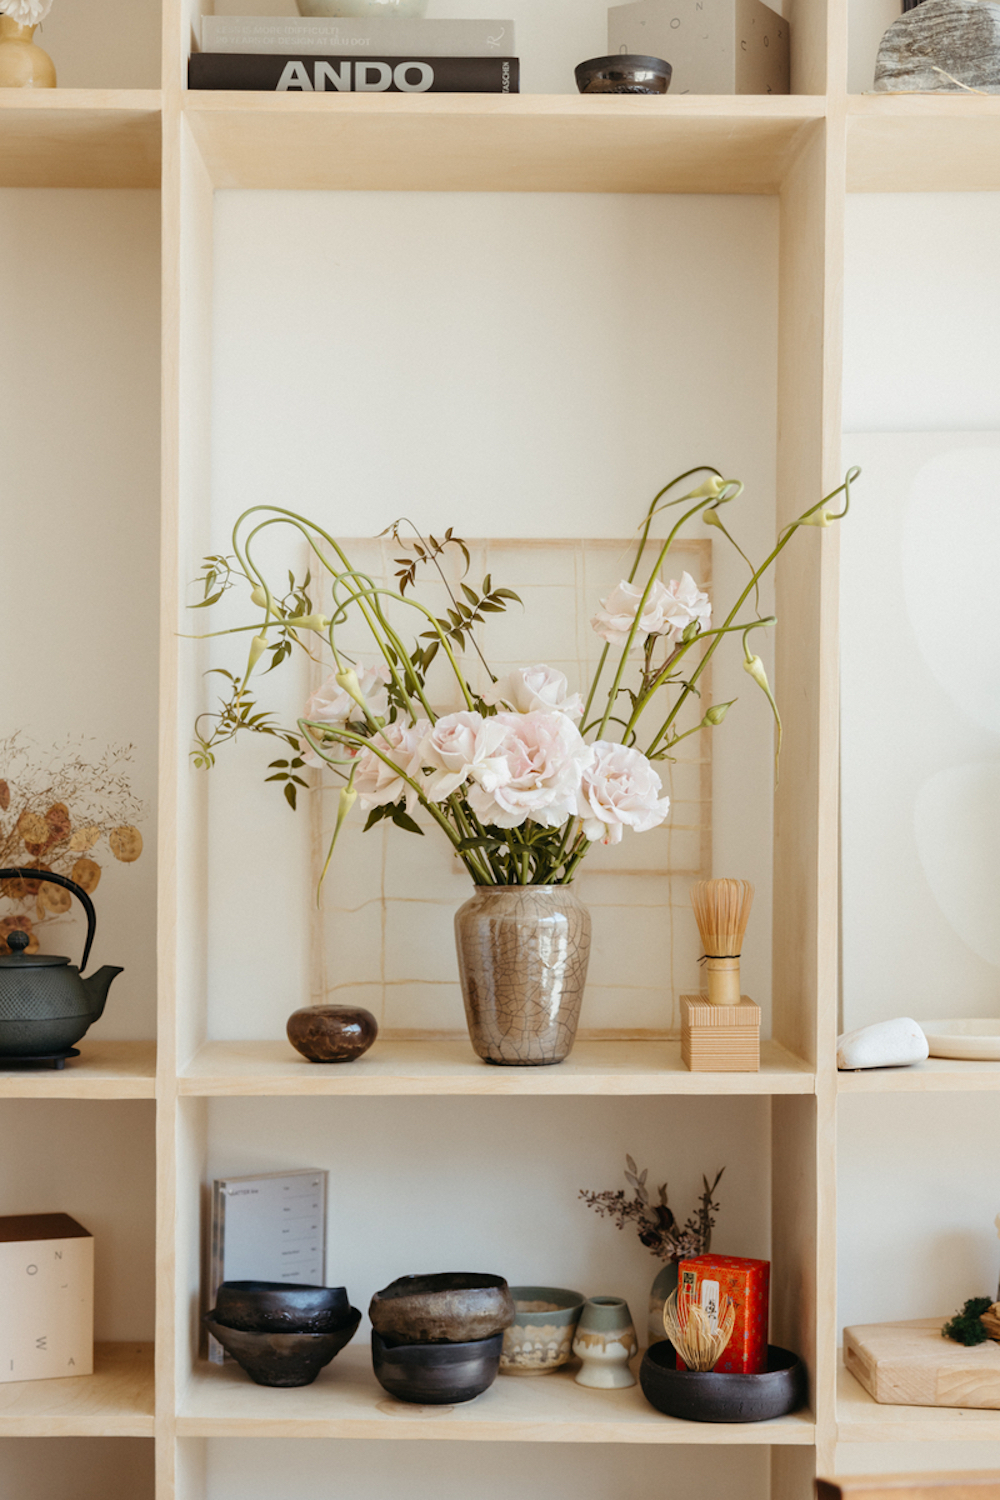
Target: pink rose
{"type": "Point", "coordinates": [538, 689]}
{"type": "Point", "coordinates": [331, 704]}
{"type": "Point", "coordinates": [377, 783]}
{"type": "Point", "coordinates": [545, 756]}
{"type": "Point", "coordinates": [620, 789]}
{"type": "Point", "coordinates": [459, 748]}
{"type": "Point", "coordinates": [668, 611]}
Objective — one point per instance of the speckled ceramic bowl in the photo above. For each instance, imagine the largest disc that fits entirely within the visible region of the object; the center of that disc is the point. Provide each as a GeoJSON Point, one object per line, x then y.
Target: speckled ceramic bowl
{"type": "Point", "coordinates": [541, 1336]}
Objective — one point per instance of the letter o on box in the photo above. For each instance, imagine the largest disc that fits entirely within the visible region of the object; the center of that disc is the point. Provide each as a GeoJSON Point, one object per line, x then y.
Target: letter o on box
{"type": "Point", "coordinates": [401, 77]}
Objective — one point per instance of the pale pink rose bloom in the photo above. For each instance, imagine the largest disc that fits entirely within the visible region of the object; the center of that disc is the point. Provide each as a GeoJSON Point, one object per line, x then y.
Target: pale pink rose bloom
{"type": "Point", "coordinates": [620, 789]}
{"type": "Point", "coordinates": [459, 748]}
{"type": "Point", "coordinates": [545, 755]}
{"type": "Point", "coordinates": [378, 784]}
{"type": "Point", "coordinates": [538, 689]}
{"type": "Point", "coordinates": [330, 704]}
{"type": "Point", "coordinates": [668, 610]}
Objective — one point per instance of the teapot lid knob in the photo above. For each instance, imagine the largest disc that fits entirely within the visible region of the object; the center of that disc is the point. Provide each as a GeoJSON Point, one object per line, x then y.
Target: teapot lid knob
{"type": "Point", "coordinates": [17, 940]}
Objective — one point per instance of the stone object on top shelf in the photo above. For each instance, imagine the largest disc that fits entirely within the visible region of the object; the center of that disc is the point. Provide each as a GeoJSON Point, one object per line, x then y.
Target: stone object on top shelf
{"type": "Point", "coordinates": [713, 46]}
{"type": "Point", "coordinates": [886, 1044]}
{"type": "Point", "coordinates": [950, 46]}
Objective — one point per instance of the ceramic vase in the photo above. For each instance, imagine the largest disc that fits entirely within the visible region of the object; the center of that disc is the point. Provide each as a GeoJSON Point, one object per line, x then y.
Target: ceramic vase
{"type": "Point", "coordinates": [22, 64]}
{"type": "Point", "coordinates": [522, 960]}
{"type": "Point", "coordinates": [331, 1033]}
{"type": "Point", "coordinates": [605, 1342]}
{"type": "Point", "coordinates": [664, 1283]}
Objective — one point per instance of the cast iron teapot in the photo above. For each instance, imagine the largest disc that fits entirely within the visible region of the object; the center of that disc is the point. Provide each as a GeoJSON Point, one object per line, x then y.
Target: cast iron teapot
{"type": "Point", "coordinates": [45, 1003]}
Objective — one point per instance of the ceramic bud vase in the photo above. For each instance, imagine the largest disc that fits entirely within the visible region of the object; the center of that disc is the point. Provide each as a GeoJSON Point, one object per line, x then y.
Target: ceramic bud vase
{"type": "Point", "coordinates": [22, 64]}
{"type": "Point", "coordinates": [522, 959]}
{"type": "Point", "coordinates": [605, 1342]}
{"type": "Point", "coordinates": [663, 1285]}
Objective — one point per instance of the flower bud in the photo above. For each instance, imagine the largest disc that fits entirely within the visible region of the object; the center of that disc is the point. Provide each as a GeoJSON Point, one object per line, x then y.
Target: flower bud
{"type": "Point", "coordinates": [821, 517]}
{"type": "Point", "coordinates": [258, 596]}
{"type": "Point", "coordinates": [257, 648]}
{"type": "Point", "coordinates": [711, 517]}
{"type": "Point", "coordinates": [319, 623]}
{"type": "Point", "coordinates": [755, 667]}
{"type": "Point", "coordinates": [717, 712]}
{"type": "Point", "coordinates": [348, 680]}
{"type": "Point", "coordinates": [711, 489]}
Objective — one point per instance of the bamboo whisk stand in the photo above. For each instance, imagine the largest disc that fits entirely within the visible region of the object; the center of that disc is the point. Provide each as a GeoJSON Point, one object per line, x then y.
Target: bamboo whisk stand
{"type": "Point", "coordinates": [720, 1030]}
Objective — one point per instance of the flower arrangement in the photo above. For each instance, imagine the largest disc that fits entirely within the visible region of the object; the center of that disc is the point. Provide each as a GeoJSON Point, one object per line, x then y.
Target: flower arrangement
{"type": "Point", "coordinates": [26, 12]}
{"type": "Point", "coordinates": [54, 814]}
{"type": "Point", "coordinates": [527, 775]}
{"type": "Point", "coordinates": [655, 1223]}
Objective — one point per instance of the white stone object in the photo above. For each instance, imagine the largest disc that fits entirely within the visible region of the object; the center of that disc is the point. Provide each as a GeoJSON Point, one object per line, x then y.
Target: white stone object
{"type": "Point", "coordinates": [46, 1298]}
{"type": "Point", "coordinates": [942, 45]}
{"type": "Point", "coordinates": [887, 1044]}
{"type": "Point", "coordinates": [713, 46]}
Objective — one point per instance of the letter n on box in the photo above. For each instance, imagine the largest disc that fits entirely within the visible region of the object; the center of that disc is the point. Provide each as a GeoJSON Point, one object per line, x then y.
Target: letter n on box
{"type": "Point", "coordinates": [46, 1298]}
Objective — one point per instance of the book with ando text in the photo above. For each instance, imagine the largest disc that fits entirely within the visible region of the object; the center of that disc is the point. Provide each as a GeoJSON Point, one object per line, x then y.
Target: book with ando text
{"type": "Point", "coordinates": [303, 73]}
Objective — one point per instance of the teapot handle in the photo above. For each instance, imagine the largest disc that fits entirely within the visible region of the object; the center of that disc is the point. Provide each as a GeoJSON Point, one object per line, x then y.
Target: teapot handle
{"type": "Point", "coordinates": [67, 885]}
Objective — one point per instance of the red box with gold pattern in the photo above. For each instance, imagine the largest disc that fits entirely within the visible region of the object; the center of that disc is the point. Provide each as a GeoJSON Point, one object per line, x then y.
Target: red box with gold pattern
{"type": "Point", "coordinates": [708, 1280]}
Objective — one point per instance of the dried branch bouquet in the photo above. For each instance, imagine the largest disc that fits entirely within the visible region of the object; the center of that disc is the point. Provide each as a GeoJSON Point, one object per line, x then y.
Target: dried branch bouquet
{"type": "Point", "coordinates": [526, 775]}
{"type": "Point", "coordinates": [655, 1223]}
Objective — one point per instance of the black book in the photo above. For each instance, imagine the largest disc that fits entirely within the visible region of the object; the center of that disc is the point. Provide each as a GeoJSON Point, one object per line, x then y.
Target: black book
{"type": "Point", "coordinates": [283, 73]}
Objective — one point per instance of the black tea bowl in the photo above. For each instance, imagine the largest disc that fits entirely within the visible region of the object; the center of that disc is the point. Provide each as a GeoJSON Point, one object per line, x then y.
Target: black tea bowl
{"type": "Point", "coordinates": [282, 1359]}
{"type": "Point", "coordinates": [708, 1396]}
{"type": "Point", "coordinates": [437, 1374]}
{"type": "Point", "coordinates": [276, 1307]}
{"type": "Point", "coordinates": [623, 73]}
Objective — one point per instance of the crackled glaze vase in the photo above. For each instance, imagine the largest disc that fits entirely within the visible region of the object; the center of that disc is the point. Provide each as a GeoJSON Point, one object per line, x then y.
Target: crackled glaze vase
{"type": "Point", "coordinates": [522, 960]}
{"type": "Point", "coordinates": [22, 64]}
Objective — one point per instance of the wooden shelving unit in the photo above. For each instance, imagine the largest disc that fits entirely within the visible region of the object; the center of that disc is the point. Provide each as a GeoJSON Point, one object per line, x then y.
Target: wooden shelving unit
{"type": "Point", "coordinates": [808, 149]}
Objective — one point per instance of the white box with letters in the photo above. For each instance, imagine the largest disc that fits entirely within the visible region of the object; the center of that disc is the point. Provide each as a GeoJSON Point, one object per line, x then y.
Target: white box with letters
{"type": "Point", "coordinates": [713, 46]}
{"type": "Point", "coordinates": [46, 1297]}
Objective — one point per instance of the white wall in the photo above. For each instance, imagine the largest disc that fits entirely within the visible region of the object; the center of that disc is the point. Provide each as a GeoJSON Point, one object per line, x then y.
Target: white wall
{"type": "Point", "coordinates": [79, 496]}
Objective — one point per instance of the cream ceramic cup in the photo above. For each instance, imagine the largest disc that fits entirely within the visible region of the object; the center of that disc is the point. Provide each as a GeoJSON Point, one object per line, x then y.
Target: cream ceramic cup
{"type": "Point", "coordinates": [605, 1342]}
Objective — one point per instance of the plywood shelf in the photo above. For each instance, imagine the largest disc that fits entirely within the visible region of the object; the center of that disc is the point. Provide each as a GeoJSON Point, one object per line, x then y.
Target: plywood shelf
{"type": "Point", "coordinates": [116, 1401]}
{"type": "Point", "coordinates": [347, 1402]}
{"type": "Point", "coordinates": [500, 143]}
{"type": "Point", "coordinates": [451, 1068]}
{"type": "Point", "coordinates": [80, 138]}
{"type": "Point", "coordinates": [923, 143]}
{"type": "Point", "coordinates": [935, 1076]}
{"type": "Point", "coordinates": [104, 1070]}
{"type": "Point", "coordinates": [861, 1419]}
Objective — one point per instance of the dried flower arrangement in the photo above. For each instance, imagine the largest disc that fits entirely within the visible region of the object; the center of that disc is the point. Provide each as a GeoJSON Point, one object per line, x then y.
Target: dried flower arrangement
{"type": "Point", "coordinates": [53, 815]}
{"type": "Point", "coordinates": [655, 1223]}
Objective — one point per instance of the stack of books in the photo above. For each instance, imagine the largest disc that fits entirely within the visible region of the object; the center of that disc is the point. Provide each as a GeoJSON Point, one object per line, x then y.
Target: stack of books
{"type": "Point", "coordinates": [377, 54]}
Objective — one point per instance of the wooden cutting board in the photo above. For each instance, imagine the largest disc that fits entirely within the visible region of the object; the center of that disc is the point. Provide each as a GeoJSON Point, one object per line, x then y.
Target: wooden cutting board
{"type": "Point", "coordinates": [910, 1364]}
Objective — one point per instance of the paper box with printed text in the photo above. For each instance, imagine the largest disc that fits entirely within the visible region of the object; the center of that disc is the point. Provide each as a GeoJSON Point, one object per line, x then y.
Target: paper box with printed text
{"type": "Point", "coordinates": [708, 1280]}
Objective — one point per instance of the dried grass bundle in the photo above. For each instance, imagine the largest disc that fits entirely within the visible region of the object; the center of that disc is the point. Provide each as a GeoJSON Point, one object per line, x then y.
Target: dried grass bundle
{"type": "Point", "coordinates": [690, 1330]}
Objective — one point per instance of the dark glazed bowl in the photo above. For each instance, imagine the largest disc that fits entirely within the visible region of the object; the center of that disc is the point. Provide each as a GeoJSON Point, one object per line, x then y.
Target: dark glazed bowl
{"type": "Point", "coordinates": [437, 1374]}
{"type": "Point", "coordinates": [332, 1033]}
{"type": "Point", "coordinates": [273, 1307]}
{"type": "Point", "coordinates": [282, 1359]}
{"type": "Point", "coordinates": [711, 1397]}
{"type": "Point", "coordinates": [623, 73]}
{"type": "Point", "coordinates": [452, 1307]}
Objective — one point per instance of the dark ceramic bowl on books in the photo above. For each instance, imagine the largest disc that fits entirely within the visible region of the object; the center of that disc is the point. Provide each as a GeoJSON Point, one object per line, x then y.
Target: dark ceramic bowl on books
{"type": "Point", "coordinates": [437, 1374]}
{"type": "Point", "coordinates": [623, 73]}
{"type": "Point", "coordinates": [274, 1307]}
{"type": "Point", "coordinates": [705, 1396]}
{"type": "Point", "coordinates": [452, 1307]}
{"type": "Point", "coordinates": [282, 1359]}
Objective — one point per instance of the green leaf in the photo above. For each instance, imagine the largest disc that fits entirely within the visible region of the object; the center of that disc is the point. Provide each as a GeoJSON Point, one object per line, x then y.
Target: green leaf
{"type": "Point", "coordinates": [280, 764]}
{"type": "Point", "coordinates": [470, 594]}
{"type": "Point", "coordinates": [402, 819]}
{"type": "Point", "coordinates": [290, 795]}
{"type": "Point", "coordinates": [204, 603]}
{"type": "Point", "coordinates": [507, 594]}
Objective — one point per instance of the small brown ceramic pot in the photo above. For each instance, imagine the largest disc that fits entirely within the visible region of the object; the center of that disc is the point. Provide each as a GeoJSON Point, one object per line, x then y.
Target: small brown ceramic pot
{"type": "Point", "coordinates": [332, 1033]}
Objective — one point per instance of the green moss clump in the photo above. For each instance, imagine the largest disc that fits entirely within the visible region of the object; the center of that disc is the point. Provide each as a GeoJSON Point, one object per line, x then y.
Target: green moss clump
{"type": "Point", "coordinates": [966, 1327]}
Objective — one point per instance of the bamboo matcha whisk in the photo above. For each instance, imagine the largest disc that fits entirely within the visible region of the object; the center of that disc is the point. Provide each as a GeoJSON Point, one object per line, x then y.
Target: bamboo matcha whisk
{"type": "Point", "coordinates": [722, 910]}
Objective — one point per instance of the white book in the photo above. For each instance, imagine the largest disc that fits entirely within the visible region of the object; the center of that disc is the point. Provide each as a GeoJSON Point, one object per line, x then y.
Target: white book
{"type": "Point", "coordinates": [269, 1227]}
{"type": "Point", "coordinates": [381, 36]}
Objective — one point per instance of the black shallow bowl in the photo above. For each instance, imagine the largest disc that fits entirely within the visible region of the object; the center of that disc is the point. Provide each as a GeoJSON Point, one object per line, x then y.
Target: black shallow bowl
{"type": "Point", "coordinates": [282, 1359]}
{"type": "Point", "coordinates": [452, 1307]}
{"type": "Point", "coordinates": [710, 1397]}
{"type": "Point", "coordinates": [274, 1307]}
{"type": "Point", "coordinates": [623, 73]}
{"type": "Point", "coordinates": [437, 1374]}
